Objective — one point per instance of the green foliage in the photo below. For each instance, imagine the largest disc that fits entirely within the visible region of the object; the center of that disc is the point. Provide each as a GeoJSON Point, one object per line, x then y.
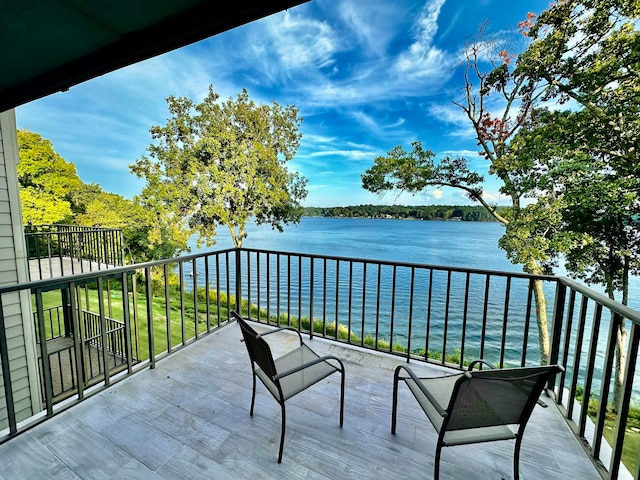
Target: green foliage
{"type": "Point", "coordinates": [415, 171]}
{"type": "Point", "coordinates": [467, 213]}
{"type": "Point", "coordinates": [222, 163]}
{"type": "Point", "coordinates": [46, 181]}
{"type": "Point", "coordinates": [51, 192]}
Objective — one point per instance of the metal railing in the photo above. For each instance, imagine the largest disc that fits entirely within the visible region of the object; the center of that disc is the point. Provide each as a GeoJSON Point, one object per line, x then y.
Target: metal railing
{"type": "Point", "coordinates": [430, 313]}
{"type": "Point", "coordinates": [72, 249]}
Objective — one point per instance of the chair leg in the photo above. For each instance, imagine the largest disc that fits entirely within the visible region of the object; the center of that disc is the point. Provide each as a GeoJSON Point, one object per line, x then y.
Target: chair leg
{"type": "Point", "coordinates": [516, 458]}
{"type": "Point", "coordinates": [342, 398]}
{"type": "Point", "coordinates": [394, 406]}
{"type": "Point", "coordinates": [284, 423]}
{"type": "Point", "coordinates": [253, 395]}
{"type": "Point", "coordinates": [436, 468]}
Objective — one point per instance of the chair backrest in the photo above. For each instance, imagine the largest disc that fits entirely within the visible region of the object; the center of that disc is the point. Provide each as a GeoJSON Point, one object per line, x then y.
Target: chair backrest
{"type": "Point", "coordinates": [258, 348]}
{"type": "Point", "coordinates": [497, 397]}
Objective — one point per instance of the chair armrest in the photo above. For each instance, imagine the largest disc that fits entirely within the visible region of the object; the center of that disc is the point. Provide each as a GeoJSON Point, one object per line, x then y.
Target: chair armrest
{"type": "Point", "coordinates": [441, 410]}
{"type": "Point", "coordinates": [279, 329]}
{"type": "Point", "coordinates": [309, 364]}
{"type": "Point", "coordinates": [479, 362]}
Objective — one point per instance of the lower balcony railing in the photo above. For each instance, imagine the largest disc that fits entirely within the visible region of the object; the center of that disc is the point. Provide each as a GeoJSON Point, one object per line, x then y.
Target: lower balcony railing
{"type": "Point", "coordinates": [58, 250]}
{"type": "Point", "coordinates": [113, 323]}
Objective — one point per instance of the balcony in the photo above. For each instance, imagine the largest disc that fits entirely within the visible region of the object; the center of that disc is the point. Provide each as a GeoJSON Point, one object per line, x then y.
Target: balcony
{"type": "Point", "coordinates": [179, 394]}
{"type": "Point", "coordinates": [189, 418]}
{"type": "Point", "coordinates": [58, 250]}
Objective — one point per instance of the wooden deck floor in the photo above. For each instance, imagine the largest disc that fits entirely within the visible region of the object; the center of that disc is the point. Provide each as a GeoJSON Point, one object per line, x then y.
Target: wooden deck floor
{"type": "Point", "coordinates": [45, 268]}
{"type": "Point", "coordinates": [189, 419]}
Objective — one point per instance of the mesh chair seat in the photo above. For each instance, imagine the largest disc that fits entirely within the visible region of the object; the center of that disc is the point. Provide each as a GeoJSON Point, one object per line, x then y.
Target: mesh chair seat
{"type": "Point", "coordinates": [290, 373]}
{"type": "Point", "coordinates": [301, 379]}
{"type": "Point", "coordinates": [475, 407]}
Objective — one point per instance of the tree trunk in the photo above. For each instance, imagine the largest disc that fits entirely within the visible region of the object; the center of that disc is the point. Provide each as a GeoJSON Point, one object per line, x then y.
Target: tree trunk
{"type": "Point", "coordinates": [543, 325]}
{"type": "Point", "coordinates": [621, 341]}
{"type": "Point", "coordinates": [621, 361]}
{"type": "Point", "coordinates": [541, 314]}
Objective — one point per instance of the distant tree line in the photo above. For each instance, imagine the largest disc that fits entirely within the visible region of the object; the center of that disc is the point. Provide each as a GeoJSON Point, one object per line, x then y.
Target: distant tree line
{"type": "Point", "coordinates": [467, 213]}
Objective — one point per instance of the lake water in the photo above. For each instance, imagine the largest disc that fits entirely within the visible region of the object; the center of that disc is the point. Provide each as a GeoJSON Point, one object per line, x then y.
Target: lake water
{"type": "Point", "coordinates": [460, 244]}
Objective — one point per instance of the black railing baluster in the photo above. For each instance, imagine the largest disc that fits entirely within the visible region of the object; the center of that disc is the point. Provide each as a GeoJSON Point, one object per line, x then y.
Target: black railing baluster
{"type": "Point", "coordinates": [428, 329]}
{"type": "Point", "coordinates": [567, 345]}
{"type": "Point", "coordinates": [364, 303]}
{"type": "Point", "coordinates": [183, 326]}
{"type": "Point", "coordinates": [505, 319]}
{"type": "Point", "coordinates": [445, 331]}
{"type": "Point", "coordinates": [126, 317]}
{"type": "Point", "coordinates": [248, 261]}
{"type": "Point", "coordinates": [324, 296]}
{"type": "Point", "coordinates": [337, 296]}
{"type": "Point", "coordinates": [393, 306]}
{"type": "Point", "coordinates": [464, 319]}
{"type": "Point", "coordinates": [311, 294]}
{"type": "Point", "coordinates": [228, 282]}
{"type": "Point", "coordinates": [278, 288]}
{"type": "Point", "coordinates": [218, 304]}
{"type": "Point", "coordinates": [350, 302]}
{"type": "Point", "coordinates": [258, 280]}
{"type": "Point", "coordinates": [591, 359]}
{"type": "Point", "coordinates": [196, 315]}
{"type": "Point", "coordinates": [207, 294]}
{"type": "Point", "coordinates": [375, 342]}
{"type": "Point", "coordinates": [409, 329]}
{"type": "Point", "coordinates": [78, 340]}
{"type": "Point", "coordinates": [527, 324]}
{"type": "Point", "coordinates": [485, 313]}
{"type": "Point", "coordinates": [299, 257]}
{"type": "Point", "coordinates": [149, 304]}
{"type": "Point", "coordinates": [103, 332]}
{"type": "Point", "coordinates": [268, 288]}
{"type": "Point", "coordinates": [167, 307]}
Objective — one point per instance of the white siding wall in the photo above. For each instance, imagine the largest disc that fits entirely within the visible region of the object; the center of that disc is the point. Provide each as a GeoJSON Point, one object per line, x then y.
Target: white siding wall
{"type": "Point", "coordinates": [13, 269]}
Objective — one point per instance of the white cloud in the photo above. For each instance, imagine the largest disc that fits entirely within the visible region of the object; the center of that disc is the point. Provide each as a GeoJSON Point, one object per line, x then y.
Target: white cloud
{"type": "Point", "coordinates": [350, 154]}
{"type": "Point", "coordinates": [372, 23]}
{"type": "Point", "coordinates": [423, 59]}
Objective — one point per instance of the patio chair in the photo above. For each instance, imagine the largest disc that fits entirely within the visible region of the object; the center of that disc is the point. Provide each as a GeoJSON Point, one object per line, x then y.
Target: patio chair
{"type": "Point", "coordinates": [477, 406]}
{"type": "Point", "coordinates": [288, 374]}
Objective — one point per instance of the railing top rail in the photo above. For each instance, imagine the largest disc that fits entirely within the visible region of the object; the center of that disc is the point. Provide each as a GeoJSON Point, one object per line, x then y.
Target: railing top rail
{"type": "Point", "coordinates": [55, 283]}
{"type": "Point", "coordinates": [603, 300]}
{"type": "Point", "coordinates": [498, 273]}
{"type": "Point", "coordinates": [112, 272]}
{"type": "Point", "coordinates": [72, 229]}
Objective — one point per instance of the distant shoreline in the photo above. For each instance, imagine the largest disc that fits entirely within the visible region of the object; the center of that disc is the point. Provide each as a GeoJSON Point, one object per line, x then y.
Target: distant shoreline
{"type": "Point", "coordinates": [460, 213]}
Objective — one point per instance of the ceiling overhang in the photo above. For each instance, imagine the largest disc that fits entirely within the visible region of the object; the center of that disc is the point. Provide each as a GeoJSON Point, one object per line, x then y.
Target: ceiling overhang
{"type": "Point", "coordinates": [48, 46]}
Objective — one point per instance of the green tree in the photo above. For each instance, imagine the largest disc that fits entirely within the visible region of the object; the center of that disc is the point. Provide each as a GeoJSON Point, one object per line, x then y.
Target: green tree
{"type": "Point", "coordinates": [586, 54]}
{"type": "Point", "coordinates": [46, 181]}
{"type": "Point", "coordinates": [529, 227]}
{"type": "Point", "coordinates": [139, 226]}
{"type": "Point", "coordinates": [222, 164]}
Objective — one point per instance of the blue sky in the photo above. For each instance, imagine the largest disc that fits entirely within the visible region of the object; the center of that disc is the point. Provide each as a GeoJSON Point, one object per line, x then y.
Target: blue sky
{"type": "Point", "coordinates": [365, 75]}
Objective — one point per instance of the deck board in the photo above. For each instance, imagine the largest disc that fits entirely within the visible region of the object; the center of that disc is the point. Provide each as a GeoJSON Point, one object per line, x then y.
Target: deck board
{"type": "Point", "coordinates": [55, 267]}
{"type": "Point", "coordinates": [189, 418]}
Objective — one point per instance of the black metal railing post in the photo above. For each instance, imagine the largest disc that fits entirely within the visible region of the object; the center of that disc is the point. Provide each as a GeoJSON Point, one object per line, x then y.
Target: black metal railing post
{"type": "Point", "coordinates": [238, 277]}
{"type": "Point", "coordinates": [556, 328]}
{"type": "Point", "coordinates": [6, 373]}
